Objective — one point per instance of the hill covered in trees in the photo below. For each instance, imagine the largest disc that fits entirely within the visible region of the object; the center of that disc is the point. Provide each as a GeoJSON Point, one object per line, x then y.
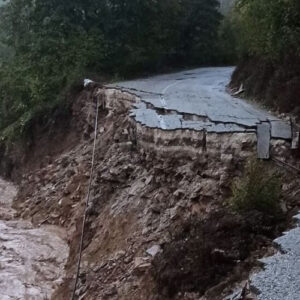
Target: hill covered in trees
{"type": "Point", "coordinates": [268, 35]}
{"type": "Point", "coordinates": [54, 43]}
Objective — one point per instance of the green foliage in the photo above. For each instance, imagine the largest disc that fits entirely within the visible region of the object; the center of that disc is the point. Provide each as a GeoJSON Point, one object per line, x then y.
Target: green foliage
{"type": "Point", "coordinates": [269, 28]}
{"type": "Point", "coordinates": [53, 42]}
{"type": "Point", "coordinates": [259, 189]}
{"type": "Point", "coordinates": [227, 41]}
{"type": "Point", "coordinates": [199, 25]}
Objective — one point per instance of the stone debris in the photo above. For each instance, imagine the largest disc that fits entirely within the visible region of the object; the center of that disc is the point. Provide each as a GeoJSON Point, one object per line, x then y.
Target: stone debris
{"type": "Point", "coordinates": [154, 250]}
{"type": "Point", "coordinates": [147, 183]}
{"type": "Point", "coordinates": [200, 103]}
{"type": "Point", "coordinates": [141, 264]}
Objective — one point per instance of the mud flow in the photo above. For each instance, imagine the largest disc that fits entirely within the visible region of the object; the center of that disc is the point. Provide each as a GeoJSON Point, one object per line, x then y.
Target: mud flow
{"type": "Point", "coordinates": [31, 259]}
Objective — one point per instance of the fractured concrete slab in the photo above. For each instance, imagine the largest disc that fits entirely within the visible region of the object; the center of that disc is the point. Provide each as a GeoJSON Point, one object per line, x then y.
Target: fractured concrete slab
{"type": "Point", "coordinates": [281, 130]}
{"type": "Point", "coordinates": [263, 140]}
{"type": "Point", "coordinates": [204, 95]}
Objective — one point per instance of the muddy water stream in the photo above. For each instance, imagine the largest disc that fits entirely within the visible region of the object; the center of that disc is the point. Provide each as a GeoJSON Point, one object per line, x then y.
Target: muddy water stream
{"type": "Point", "coordinates": [32, 259]}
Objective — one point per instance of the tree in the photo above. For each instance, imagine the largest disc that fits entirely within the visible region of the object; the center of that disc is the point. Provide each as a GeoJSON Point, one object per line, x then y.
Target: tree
{"type": "Point", "coordinates": [268, 28]}
{"type": "Point", "coordinates": [56, 41]}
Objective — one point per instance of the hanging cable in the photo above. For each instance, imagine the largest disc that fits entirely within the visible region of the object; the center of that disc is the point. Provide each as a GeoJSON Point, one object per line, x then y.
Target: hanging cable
{"type": "Point", "coordinates": [86, 203]}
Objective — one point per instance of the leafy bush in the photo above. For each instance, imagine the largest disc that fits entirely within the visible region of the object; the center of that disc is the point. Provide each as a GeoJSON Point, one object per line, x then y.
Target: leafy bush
{"type": "Point", "coordinates": [259, 189]}
{"type": "Point", "coordinates": [227, 41]}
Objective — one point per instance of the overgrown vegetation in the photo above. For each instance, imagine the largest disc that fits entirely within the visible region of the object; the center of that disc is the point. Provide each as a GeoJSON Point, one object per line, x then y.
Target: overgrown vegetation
{"type": "Point", "coordinates": [55, 42]}
{"type": "Point", "coordinates": [259, 189]}
{"type": "Point", "coordinates": [269, 28]}
{"type": "Point", "coordinates": [268, 34]}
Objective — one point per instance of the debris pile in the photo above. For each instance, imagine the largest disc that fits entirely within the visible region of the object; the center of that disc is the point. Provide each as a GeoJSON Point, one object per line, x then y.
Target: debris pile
{"type": "Point", "coordinates": [147, 185]}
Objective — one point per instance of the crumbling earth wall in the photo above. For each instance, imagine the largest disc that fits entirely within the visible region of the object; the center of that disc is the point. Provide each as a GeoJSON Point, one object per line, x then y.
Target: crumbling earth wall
{"type": "Point", "coordinates": [148, 183]}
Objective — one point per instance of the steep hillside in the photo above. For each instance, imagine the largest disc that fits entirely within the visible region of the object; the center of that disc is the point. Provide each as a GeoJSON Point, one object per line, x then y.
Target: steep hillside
{"type": "Point", "coordinates": [275, 84]}
{"type": "Point", "coordinates": [157, 204]}
{"type": "Point", "coordinates": [269, 42]}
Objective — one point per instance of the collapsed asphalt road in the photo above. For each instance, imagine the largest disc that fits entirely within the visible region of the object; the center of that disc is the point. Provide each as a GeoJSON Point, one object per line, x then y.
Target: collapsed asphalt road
{"type": "Point", "coordinates": [198, 100]}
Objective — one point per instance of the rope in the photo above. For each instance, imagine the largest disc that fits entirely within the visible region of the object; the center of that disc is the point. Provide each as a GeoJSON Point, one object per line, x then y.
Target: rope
{"type": "Point", "coordinates": [86, 203]}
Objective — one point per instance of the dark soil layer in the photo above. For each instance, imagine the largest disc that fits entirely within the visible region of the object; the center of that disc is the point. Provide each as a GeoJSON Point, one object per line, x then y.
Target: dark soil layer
{"type": "Point", "coordinates": [275, 84]}
{"type": "Point", "coordinates": [206, 251]}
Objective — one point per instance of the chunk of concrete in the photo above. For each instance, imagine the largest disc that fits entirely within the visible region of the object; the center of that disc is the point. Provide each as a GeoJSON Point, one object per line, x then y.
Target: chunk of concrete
{"type": "Point", "coordinates": [263, 140]}
{"type": "Point", "coordinates": [281, 130]}
{"type": "Point", "coordinates": [154, 250]}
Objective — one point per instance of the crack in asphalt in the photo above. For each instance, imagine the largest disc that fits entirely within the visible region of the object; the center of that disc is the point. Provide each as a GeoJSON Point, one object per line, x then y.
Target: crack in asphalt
{"type": "Point", "coordinates": [196, 97]}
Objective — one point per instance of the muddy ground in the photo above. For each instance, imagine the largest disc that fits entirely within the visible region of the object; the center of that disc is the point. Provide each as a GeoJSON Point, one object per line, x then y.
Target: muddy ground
{"type": "Point", "coordinates": [158, 224]}
{"type": "Point", "coordinates": [32, 259]}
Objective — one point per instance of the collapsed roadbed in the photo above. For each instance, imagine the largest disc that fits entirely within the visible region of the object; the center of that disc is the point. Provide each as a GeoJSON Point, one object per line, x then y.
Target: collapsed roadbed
{"type": "Point", "coordinates": [157, 226]}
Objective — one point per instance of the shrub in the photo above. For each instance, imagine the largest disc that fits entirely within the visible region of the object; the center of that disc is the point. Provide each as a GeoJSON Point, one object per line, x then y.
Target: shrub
{"type": "Point", "coordinates": [259, 189]}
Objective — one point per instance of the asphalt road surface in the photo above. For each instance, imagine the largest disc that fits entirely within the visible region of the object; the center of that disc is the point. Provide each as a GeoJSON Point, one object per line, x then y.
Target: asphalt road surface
{"type": "Point", "coordinates": [198, 100]}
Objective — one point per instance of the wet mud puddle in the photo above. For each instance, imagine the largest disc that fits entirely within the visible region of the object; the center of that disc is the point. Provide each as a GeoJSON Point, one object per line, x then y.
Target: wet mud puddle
{"type": "Point", "coordinates": [32, 259]}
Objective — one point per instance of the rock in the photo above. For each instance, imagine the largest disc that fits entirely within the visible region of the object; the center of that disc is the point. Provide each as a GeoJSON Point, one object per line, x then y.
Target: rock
{"type": "Point", "coordinates": [283, 207]}
{"type": "Point", "coordinates": [226, 158]}
{"type": "Point", "coordinates": [154, 250]}
{"type": "Point", "coordinates": [173, 212]}
{"type": "Point", "coordinates": [133, 190]}
{"type": "Point", "coordinates": [119, 254]}
{"type": "Point", "coordinates": [127, 259]}
{"type": "Point", "coordinates": [209, 188]}
{"type": "Point", "coordinates": [141, 264]}
{"type": "Point", "coordinates": [112, 291]}
{"type": "Point", "coordinates": [114, 171]}
{"type": "Point", "coordinates": [146, 230]}
{"type": "Point", "coordinates": [178, 193]}
{"type": "Point", "coordinates": [125, 145]}
{"type": "Point", "coordinates": [149, 180]}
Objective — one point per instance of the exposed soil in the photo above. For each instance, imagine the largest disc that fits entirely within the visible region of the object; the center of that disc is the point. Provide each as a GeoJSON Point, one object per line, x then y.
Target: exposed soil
{"type": "Point", "coordinates": [154, 193]}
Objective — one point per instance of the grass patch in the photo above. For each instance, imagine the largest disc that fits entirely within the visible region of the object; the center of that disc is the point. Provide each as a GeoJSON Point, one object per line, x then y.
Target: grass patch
{"type": "Point", "coordinates": [258, 189]}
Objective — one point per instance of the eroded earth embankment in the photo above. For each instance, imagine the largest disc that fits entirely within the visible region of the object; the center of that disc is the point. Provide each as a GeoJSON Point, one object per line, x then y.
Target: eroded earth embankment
{"type": "Point", "coordinates": [157, 198]}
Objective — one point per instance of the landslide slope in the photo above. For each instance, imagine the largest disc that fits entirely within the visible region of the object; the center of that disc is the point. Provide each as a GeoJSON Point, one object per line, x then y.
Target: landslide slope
{"type": "Point", "coordinates": [157, 224]}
